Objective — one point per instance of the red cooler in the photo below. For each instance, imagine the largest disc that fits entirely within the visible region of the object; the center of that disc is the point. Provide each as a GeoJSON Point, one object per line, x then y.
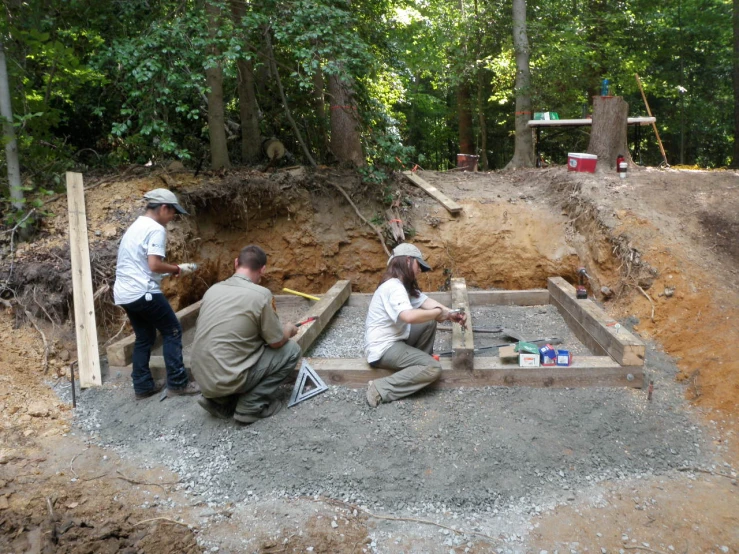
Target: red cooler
{"type": "Point", "coordinates": [584, 163]}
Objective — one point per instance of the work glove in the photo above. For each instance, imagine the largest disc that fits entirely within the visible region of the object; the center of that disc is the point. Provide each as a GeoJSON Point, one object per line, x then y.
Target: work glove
{"type": "Point", "coordinates": [186, 269]}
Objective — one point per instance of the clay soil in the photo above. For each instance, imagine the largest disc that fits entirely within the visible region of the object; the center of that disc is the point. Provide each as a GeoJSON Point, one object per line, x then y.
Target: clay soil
{"type": "Point", "coordinates": [660, 246]}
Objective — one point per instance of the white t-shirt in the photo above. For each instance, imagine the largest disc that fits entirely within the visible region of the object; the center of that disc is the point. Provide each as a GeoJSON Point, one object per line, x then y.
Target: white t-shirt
{"type": "Point", "coordinates": [383, 326]}
{"type": "Point", "coordinates": [133, 278]}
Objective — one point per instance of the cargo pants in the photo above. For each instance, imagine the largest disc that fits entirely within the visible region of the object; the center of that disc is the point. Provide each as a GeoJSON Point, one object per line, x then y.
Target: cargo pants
{"type": "Point", "coordinates": [412, 359]}
{"type": "Point", "coordinates": [263, 379]}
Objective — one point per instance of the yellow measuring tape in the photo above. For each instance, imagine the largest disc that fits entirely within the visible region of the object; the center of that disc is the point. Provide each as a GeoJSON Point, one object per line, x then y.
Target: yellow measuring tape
{"type": "Point", "coordinates": [308, 296]}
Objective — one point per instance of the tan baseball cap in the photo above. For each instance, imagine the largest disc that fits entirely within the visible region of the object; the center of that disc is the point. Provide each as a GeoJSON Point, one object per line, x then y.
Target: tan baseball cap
{"type": "Point", "coordinates": [164, 196]}
{"type": "Point", "coordinates": [405, 249]}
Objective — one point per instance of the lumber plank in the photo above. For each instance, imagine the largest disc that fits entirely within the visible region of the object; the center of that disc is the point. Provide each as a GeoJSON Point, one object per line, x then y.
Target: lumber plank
{"type": "Point", "coordinates": [463, 346]}
{"type": "Point", "coordinates": [120, 353]}
{"type": "Point", "coordinates": [532, 297]}
{"type": "Point", "coordinates": [88, 357]}
{"type": "Point", "coordinates": [592, 325]}
{"type": "Point", "coordinates": [323, 310]}
{"type": "Point", "coordinates": [585, 371]}
{"type": "Point", "coordinates": [450, 205]}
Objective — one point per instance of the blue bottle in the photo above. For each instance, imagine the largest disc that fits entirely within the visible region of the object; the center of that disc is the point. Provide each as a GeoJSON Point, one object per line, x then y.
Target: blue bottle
{"type": "Point", "coordinates": [604, 87]}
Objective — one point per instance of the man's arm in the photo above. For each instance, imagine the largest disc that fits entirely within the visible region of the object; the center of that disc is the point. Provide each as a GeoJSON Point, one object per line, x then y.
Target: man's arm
{"type": "Point", "coordinates": [158, 265]}
{"type": "Point", "coordinates": [288, 331]}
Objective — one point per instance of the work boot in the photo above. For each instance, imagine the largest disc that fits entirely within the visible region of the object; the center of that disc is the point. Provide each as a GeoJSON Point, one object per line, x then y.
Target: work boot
{"type": "Point", "coordinates": [373, 397]}
{"type": "Point", "coordinates": [221, 411]}
{"type": "Point", "coordinates": [275, 405]}
{"type": "Point", "coordinates": [158, 386]}
{"type": "Point", "coordinates": [191, 388]}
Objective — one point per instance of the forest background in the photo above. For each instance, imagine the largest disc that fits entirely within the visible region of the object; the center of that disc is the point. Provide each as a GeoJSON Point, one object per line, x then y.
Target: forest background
{"type": "Point", "coordinates": [382, 84]}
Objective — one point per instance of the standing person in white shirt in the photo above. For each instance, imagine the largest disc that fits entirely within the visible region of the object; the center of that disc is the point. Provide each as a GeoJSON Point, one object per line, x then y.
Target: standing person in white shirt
{"type": "Point", "coordinates": [400, 329]}
{"type": "Point", "coordinates": [139, 270]}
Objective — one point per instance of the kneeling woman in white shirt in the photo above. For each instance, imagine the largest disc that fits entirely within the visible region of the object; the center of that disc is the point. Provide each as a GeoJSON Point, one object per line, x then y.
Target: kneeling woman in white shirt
{"type": "Point", "coordinates": [400, 329]}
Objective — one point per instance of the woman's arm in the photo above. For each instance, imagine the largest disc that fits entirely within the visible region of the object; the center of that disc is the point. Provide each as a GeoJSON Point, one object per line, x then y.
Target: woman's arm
{"type": "Point", "coordinates": [422, 314]}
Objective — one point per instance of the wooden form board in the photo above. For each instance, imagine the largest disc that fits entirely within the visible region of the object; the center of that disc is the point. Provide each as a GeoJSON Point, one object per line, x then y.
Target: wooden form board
{"type": "Point", "coordinates": [451, 206]}
{"type": "Point", "coordinates": [88, 357]}
{"type": "Point", "coordinates": [463, 345]}
{"type": "Point", "coordinates": [586, 371]}
{"type": "Point", "coordinates": [120, 353]}
{"type": "Point", "coordinates": [533, 297]}
{"type": "Point", "coordinates": [593, 327]}
{"type": "Point", "coordinates": [323, 310]}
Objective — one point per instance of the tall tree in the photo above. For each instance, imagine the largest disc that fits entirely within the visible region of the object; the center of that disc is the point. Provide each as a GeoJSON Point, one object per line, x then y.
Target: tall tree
{"type": "Point", "coordinates": [11, 145]}
{"type": "Point", "coordinates": [248, 108]}
{"type": "Point", "coordinates": [345, 141]}
{"type": "Point", "coordinates": [735, 71]}
{"type": "Point", "coordinates": [214, 79]}
{"type": "Point", "coordinates": [523, 155]}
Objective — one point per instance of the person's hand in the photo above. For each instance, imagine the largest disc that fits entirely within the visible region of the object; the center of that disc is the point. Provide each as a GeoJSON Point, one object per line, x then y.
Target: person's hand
{"type": "Point", "coordinates": [290, 330]}
{"type": "Point", "coordinates": [186, 269]}
{"type": "Point", "coordinates": [458, 317]}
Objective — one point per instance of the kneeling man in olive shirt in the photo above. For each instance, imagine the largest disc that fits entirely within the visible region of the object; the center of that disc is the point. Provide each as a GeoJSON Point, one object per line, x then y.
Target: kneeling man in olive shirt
{"type": "Point", "coordinates": [241, 352]}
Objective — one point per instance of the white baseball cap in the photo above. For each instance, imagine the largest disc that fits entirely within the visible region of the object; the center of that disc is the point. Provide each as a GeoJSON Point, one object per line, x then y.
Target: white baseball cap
{"type": "Point", "coordinates": [405, 249]}
{"type": "Point", "coordinates": [164, 196]}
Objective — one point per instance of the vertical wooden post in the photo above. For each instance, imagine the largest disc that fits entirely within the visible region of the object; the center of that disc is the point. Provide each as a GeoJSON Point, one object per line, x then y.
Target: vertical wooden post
{"type": "Point", "coordinates": [462, 341]}
{"type": "Point", "coordinates": [84, 305]}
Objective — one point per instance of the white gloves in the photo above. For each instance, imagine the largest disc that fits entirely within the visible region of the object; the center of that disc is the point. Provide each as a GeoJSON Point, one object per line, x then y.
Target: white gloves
{"type": "Point", "coordinates": [186, 269]}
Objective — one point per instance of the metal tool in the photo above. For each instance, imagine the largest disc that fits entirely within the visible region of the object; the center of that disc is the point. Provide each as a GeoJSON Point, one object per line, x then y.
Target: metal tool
{"type": "Point", "coordinates": [581, 293]}
{"type": "Point", "coordinates": [537, 342]}
{"type": "Point", "coordinates": [308, 320]}
{"type": "Point", "coordinates": [299, 394]}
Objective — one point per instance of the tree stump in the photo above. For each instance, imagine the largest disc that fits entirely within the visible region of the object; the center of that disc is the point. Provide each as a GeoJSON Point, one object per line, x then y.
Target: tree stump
{"type": "Point", "coordinates": [608, 134]}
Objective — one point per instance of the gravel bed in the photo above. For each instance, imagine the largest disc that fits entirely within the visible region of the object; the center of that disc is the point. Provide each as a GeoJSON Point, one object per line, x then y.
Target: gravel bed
{"type": "Point", "coordinates": [344, 336]}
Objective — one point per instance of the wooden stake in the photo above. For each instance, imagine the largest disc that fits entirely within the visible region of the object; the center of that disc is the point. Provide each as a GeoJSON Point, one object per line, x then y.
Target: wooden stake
{"type": "Point", "coordinates": [654, 125]}
{"type": "Point", "coordinates": [84, 305]}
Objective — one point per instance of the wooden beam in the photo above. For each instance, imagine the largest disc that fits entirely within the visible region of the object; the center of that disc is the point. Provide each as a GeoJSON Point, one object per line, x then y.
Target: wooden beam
{"type": "Point", "coordinates": [120, 353]}
{"type": "Point", "coordinates": [533, 297]}
{"type": "Point", "coordinates": [451, 206]}
{"type": "Point", "coordinates": [463, 346]}
{"type": "Point", "coordinates": [593, 326]}
{"type": "Point", "coordinates": [88, 357]}
{"type": "Point", "coordinates": [323, 310]}
{"type": "Point", "coordinates": [585, 371]}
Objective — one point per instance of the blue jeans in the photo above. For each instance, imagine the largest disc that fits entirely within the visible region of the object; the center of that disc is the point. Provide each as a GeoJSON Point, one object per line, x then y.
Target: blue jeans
{"type": "Point", "coordinates": [148, 316]}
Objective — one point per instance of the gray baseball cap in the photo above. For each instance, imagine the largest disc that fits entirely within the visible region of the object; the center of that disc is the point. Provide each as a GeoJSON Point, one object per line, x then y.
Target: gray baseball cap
{"type": "Point", "coordinates": [164, 196]}
{"type": "Point", "coordinates": [405, 249]}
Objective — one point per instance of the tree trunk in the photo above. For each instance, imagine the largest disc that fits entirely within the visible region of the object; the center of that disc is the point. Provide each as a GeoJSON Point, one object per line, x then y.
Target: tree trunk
{"type": "Point", "coordinates": [248, 108]}
{"type": "Point", "coordinates": [464, 109]}
{"type": "Point", "coordinates": [483, 126]}
{"type": "Point", "coordinates": [608, 138]}
{"type": "Point", "coordinates": [523, 155]}
{"type": "Point", "coordinates": [214, 80]}
{"type": "Point", "coordinates": [11, 146]}
{"type": "Point", "coordinates": [345, 142]}
{"type": "Point", "coordinates": [735, 161]}
{"type": "Point", "coordinates": [320, 104]}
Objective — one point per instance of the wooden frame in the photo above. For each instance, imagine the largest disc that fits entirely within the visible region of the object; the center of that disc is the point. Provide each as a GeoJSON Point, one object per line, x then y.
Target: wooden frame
{"type": "Point", "coordinates": [463, 345]}
{"type": "Point", "coordinates": [620, 359]}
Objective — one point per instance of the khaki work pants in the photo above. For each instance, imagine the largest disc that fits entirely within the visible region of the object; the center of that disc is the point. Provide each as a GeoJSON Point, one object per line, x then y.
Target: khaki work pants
{"type": "Point", "coordinates": [262, 379]}
{"type": "Point", "coordinates": [417, 368]}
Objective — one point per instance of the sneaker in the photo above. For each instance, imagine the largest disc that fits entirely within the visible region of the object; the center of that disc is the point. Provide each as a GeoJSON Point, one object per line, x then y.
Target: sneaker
{"type": "Point", "coordinates": [158, 386]}
{"type": "Point", "coordinates": [191, 388]}
{"type": "Point", "coordinates": [215, 409]}
{"type": "Point", "coordinates": [373, 397]}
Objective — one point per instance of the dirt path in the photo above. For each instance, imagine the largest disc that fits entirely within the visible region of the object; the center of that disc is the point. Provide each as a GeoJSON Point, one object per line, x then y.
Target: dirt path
{"type": "Point", "coordinates": [669, 233]}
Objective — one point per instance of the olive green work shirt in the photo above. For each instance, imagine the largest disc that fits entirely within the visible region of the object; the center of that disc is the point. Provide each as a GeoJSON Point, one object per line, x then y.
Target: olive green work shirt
{"type": "Point", "coordinates": [237, 321]}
